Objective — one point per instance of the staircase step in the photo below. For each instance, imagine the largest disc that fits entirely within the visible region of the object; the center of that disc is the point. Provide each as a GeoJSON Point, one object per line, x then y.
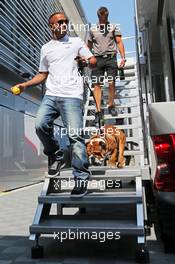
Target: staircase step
{"type": "Point", "coordinates": [129, 73]}
{"type": "Point", "coordinates": [91, 98]}
{"type": "Point", "coordinates": [133, 152]}
{"type": "Point", "coordinates": [125, 88]}
{"type": "Point", "coordinates": [72, 223]}
{"type": "Point", "coordinates": [99, 177]}
{"type": "Point", "coordinates": [99, 174]}
{"type": "Point", "coordinates": [121, 87]}
{"type": "Point", "coordinates": [99, 190]}
{"type": "Point", "coordinates": [129, 66]}
{"type": "Point", "coordinates": [92, 198]}
{"type": "Point", "coordinates": [132, 115]}
{"type": "Point", "coordinates": [107, 171]}
{"type": "Point", "coordinates": [130, 70]}
{"type": "Point", "coordinates": [95, 129]}
{"type": "Point", "coordinates": [128, 105]}
{"type": "Point", "coordinates": [134, 139]}
{"type": "Point", "coordinates": [130, 79]}
{"type": "Point", "coordinates": [128, 139]}
{"type": "Point", "coordinates": [126, 81]}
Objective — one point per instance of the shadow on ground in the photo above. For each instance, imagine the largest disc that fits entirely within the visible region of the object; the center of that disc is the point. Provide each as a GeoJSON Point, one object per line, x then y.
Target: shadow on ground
{"type": "Point", "coordinates": [17, 249]}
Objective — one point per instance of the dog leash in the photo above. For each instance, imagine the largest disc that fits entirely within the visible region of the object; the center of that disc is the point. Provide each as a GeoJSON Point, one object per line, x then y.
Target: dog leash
{"type": "Point", "coordinates": [81, 71]}
{"type": "Point", "coordinates": [106, 157]}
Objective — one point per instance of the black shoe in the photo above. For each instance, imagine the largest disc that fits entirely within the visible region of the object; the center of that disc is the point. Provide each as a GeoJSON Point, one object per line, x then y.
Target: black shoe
{"type": "Point", "coordinates": [112, 110]}
{"type": "Point", "coordinates": [55, 164]}
{"type": "Point", "coordinates": [80, 188]}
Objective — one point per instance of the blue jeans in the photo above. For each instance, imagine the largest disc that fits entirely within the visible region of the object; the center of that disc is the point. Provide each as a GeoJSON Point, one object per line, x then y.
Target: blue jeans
{"type": "Point", "coordinates": [70, 110]}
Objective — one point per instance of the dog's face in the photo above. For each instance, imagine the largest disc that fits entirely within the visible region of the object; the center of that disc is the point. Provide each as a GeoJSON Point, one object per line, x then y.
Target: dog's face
{"type": "Point", "coordinates": [107, 148]}
{"type": "Point", "coordinates": [96, 150]}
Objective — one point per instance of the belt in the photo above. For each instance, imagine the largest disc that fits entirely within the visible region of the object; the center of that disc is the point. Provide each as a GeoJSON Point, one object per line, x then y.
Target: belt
{"type": "Point", "coordinates": [106, 56]}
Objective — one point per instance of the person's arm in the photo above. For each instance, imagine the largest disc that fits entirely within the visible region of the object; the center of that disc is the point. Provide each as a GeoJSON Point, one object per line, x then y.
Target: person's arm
{"type": "Point", "coordinates": [92, 62]}
{"type": "Point", "coordinates": [83, 62]}
{"type": "Point", "coordinates": [89, 40]}
{"type": "Point", "coordinates": [121, 49]}
{"type": "Point", "coordinates": [40, 77]}
{"type": "Point", "coordinates": [37, 79]}
{"type": "Point", "coordinates": [86, 54]}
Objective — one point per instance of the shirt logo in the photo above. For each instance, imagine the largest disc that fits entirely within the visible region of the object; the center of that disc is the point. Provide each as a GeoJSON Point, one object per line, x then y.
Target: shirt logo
{"type": "Point", "coordinates": [67, 45]}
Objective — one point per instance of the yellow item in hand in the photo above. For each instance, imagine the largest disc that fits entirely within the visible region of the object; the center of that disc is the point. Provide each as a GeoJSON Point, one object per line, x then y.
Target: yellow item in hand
{"type": "Point", "coordinates": [15, 90]}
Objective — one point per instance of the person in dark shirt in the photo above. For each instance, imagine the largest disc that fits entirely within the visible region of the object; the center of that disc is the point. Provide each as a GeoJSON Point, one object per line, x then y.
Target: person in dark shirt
{"type": "Point", "coordinates": [103, 40]}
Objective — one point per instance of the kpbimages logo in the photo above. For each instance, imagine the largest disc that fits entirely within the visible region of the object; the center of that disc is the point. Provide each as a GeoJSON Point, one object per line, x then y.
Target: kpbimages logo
{"type": "Point", "coordinates": [70, 131]}
{"type": "Point", "coordinates": [101, 185]}
{"type": "Point", "coordinates": [102, 28]}
{"type": "Point", "coordinates": [78, 79]}
{"type": "Point", "coordinates": [100, 236]}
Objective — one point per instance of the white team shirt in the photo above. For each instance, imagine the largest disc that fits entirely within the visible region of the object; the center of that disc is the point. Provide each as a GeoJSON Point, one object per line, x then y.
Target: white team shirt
{"type": "Point", "coordinates": [58, 59]}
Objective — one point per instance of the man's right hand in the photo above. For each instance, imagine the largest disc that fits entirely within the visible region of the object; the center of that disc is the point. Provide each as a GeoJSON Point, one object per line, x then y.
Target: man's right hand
{"type": "Point", "coordinates": [37, 79]}
{"type": "Point", "coordinates": [18, 88]}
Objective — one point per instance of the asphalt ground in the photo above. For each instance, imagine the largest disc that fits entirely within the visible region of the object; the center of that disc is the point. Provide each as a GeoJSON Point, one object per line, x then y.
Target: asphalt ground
{"type": "Point", "coordinates": [17, 209]}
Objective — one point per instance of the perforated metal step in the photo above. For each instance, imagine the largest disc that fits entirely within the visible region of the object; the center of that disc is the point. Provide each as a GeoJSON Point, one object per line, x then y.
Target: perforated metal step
{"type": "Point", "coordinates": [108, 171]}
{"type": "Point", "coordinates": [92, 198]}
{"type": "Point", "coordinates": [55, 224]}
{"type": "Point", "coordinates": [133, 115]}
{"type": "Point", "coordinates": [89, 129]}
{"type": "Point", "coordinates": [91, 98]}
{"type": "Point", "coordinates": [128, 105]}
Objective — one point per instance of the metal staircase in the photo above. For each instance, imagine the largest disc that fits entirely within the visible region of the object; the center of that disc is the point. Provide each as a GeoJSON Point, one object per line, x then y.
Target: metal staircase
{"type": "Point", "coordinates": [115, 201]}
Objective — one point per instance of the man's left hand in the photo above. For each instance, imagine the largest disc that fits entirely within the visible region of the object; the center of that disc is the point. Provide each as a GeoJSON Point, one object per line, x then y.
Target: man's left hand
{"type": "Point", "coordinates": [122, 63]}
{"type": "Point", "coordinates": [81, 61]}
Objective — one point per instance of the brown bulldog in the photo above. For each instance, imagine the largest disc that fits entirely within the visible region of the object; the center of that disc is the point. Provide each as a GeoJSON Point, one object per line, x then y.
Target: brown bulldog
{"type": "Point", "coordinates": [107, 148]}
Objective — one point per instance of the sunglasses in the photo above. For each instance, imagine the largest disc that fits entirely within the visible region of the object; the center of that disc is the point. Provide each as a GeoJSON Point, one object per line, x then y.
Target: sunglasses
{"type": "Point", "coordinates": [59, 23]}
{"type": "Point", "coordinates": [103, 15]}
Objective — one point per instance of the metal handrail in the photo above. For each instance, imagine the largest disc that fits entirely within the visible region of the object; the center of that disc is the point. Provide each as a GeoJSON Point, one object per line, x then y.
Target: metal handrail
{"type": "Point", "coordinates": [145, 142]}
